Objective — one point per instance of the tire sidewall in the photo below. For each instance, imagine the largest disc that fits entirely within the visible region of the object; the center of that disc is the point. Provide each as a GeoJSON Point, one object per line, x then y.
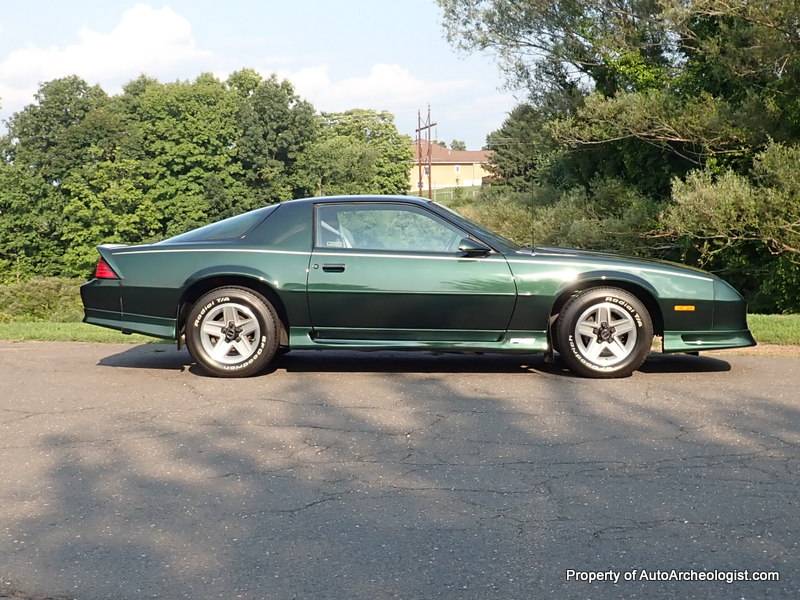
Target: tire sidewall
{"type": "Point", "coordinates": [266, 320]}
{"type": "Point", "coordinates": [624, 301]}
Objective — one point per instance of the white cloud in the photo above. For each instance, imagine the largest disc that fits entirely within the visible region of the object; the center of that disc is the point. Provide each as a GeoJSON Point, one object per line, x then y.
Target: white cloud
{"type": "Point", "coordinates": [146, 39]}
{"type": "Point", "coordinates": [385, 86]}
{"type": "Point", "coordinates": [460, 106]}
{"type": "Point", "coordinates": [160, 43]}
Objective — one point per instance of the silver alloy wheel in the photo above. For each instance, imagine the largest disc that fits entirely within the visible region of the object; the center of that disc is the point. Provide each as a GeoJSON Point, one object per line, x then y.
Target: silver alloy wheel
{"type": "Point", "coordinates": [230, 333]}
{"type": "Point", "coordinates": [605, 334]}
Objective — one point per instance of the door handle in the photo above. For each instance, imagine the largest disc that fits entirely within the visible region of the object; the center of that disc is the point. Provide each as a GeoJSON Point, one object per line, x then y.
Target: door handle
{"type": "Point", "coordinates": [333, 268]}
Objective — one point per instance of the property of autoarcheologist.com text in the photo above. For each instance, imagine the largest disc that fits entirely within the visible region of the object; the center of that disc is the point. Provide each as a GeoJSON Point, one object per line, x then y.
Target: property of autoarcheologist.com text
{"type": "Point", "coordinates": [715, 575]}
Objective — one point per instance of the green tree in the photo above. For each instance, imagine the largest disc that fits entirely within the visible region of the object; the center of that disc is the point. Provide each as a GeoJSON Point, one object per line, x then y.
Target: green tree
{"type": "Point", "coordinates": [359, 151]}
{"type": "Point", "coordinates": [80, 168]}
{"type": "Point", "coordinates": [726, 210]}
{"type": "Point", "coordinates": [458, 145]}
{"type": "Point", "coordinates": [47, 134]}
{"type": "Point", "coordinates": [678, 102]}
{"type": "Point", "coordinates": [64, 126]}
{"type": "Point", "coordinates": [339, 164]}
{"type": "Point", "coordinates": [29, 223]}
{"type": "Point", "coordinates": [108, 203]}
{"type": "Point", "coordinates": [521, 148]}
{"type": "Point", "coordinates": [745, 226]}
{"type": "Point", "coordinates": [275, 128]}
{"type": "Point", "coordinates": [186, 135]}
{"type": "Point", "coordinates": [557, 47]}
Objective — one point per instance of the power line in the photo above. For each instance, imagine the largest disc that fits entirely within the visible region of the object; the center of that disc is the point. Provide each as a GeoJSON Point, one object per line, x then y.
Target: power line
{"type": "Point", "coordinates": [426, 127]}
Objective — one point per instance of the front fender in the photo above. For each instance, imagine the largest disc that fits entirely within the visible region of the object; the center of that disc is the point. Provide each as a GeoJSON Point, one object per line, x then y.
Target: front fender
{"type": "Point", "coordinates": [542, 284]}
{"type": "Point", "coordinates": [661, 291]}
{"type": "Point", "coordinates": [606, 277]}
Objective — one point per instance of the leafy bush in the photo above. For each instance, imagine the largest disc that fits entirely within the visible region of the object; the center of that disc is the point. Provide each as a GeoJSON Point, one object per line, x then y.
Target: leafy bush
{"type": "Point", "coordinates": [778, 289]}
{"type": "Point", "coordinates": [744, 226]}
{"type": "Point", "coordinates": [41, 299]}
{"type": "Point", "coordinates": [611, 216]}
{"type": "Point", "coordinates": [509, 215]}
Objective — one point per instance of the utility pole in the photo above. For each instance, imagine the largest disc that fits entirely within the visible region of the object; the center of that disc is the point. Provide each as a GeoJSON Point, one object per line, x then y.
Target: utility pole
{"type": "Point", "coordinates": [426, 127]}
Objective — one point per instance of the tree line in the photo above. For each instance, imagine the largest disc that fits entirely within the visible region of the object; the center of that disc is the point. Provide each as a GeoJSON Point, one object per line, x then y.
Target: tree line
{"type": "Point", "coordinates": [657, 127]}
{"type": "Point", "coordinates": [79, 167]}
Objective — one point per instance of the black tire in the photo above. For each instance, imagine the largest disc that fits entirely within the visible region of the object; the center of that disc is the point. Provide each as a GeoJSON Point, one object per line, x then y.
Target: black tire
{"type": "Point", "coordinates": [627, 353]}
{"type": "Point", "coordinates": [260, 347]}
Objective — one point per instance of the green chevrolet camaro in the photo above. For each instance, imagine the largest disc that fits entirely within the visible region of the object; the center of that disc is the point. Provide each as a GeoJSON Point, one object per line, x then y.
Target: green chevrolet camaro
{"type": "Point", "coordinates": [397, 272]}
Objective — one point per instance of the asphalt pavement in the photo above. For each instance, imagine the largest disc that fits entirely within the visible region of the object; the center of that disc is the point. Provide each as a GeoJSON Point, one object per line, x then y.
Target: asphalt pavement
{"type": "Point", "coordinates": [128, 474]}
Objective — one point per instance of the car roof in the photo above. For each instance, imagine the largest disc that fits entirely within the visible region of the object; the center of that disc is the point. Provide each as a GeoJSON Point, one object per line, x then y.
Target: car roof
{"type": "Point", "coordinates": [360, 198]}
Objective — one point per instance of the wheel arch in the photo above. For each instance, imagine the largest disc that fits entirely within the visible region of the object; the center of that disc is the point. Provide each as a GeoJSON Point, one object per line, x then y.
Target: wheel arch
{"type": "Point", "coordinates": [205, 282]}
{"type": "Point", "coordinates": [640, 288]}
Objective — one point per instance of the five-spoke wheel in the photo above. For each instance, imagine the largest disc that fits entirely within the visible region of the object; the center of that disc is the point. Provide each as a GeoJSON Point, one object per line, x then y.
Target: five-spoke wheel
{"type": "Point", "coordinates": [604, 332]}
{"type": "Point", "coordinates": [232, 332]}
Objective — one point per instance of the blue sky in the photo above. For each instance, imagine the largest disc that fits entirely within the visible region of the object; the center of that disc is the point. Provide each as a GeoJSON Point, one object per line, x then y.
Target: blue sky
{"type": "Point", "coordinates": [339, 54]}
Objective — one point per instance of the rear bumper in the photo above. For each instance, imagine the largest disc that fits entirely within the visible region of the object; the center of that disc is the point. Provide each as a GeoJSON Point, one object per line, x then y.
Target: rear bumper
{"type": "Point", "coordinates": [694, 341]}
{"type": "Point", "coordinates": [102, 305]}
{"type": "Point", "coordinates": [146, 325]}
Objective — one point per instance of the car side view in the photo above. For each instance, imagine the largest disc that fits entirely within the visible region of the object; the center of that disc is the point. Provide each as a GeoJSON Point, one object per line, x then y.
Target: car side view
{"type": "Point", "coordinates": [401, 273]}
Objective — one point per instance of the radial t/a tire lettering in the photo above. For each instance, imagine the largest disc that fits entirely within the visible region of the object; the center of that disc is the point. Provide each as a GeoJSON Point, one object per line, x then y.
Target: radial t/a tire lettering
{"type": "Point", "coordinates": [604, 333]}
{"type": "Point", "coordinates": [232, 332]}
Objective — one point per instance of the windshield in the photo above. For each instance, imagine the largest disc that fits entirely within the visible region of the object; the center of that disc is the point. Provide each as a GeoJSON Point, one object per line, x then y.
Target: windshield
{"type": "Point", "coordinates": [482, 231]}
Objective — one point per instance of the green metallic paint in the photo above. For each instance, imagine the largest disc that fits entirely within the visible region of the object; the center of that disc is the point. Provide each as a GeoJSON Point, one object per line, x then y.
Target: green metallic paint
{"type": "Point", "coordinates": [406, 291]}
{"type": "Point", "coordinates": [154, 326]}
{"type": "Point", "coordinates": [693, 341]}
{"type": "Point", "coordinates": [304, 338]}
{"type": "Point", "coordinates": [381, 300]}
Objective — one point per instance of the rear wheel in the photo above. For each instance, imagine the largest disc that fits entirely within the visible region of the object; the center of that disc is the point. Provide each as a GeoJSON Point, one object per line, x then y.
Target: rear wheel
{"type": "Point", "coordinates": [604, 333]}
{"type": "Point", "coordinates": [232, 332]}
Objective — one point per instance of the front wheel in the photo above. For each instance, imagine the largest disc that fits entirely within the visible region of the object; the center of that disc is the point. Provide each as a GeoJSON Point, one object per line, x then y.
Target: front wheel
{"type": "Point", "coordinates": [604, 333]}
{"type": "Point", "coordinates": [232, 332]}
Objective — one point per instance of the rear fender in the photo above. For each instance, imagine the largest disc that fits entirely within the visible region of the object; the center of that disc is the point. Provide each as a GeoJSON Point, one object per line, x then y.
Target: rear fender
{"type": "Point", "coordinates": [229, 271]}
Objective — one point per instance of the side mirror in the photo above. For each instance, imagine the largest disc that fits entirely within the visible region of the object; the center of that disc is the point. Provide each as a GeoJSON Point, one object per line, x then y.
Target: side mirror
{"type": "Point", "coordinates": [470, 247]}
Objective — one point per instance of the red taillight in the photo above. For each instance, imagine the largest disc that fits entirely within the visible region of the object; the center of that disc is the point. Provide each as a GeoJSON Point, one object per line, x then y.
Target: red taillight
{"type": "Point", "coordinates": [104, 271]}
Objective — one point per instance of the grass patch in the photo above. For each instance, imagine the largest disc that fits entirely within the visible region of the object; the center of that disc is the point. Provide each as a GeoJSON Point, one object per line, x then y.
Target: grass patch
{"type": "Point", "coordinates": [767, 329]}
{"type": "Point", "coordinates": [451, 195]}
{"type": "Point", "coordinates": [66, 332]}
{"type": "Point", "coordinates": [775, 329]}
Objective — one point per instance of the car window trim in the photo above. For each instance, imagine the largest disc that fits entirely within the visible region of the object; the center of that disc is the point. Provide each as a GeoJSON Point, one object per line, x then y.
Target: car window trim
{"type": "Point", "coordinates": [424, 209]}
{"type": "Point", "coordinates": [274, 208]}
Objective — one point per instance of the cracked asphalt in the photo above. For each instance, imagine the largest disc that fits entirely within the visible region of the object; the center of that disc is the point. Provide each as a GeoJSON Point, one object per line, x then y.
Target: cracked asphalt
{"type": "Point", "coordinates": [127, 474]}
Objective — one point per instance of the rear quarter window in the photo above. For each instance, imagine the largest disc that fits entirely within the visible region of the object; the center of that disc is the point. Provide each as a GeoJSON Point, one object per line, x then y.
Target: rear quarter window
{"type": "Point", "coordinates": [288, 229]}
{"type": "Point", "coordinates": [232, 228]}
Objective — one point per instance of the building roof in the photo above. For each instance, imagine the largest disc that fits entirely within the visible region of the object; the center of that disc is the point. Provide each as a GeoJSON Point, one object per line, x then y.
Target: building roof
{"type": "Point", "coordinates": [442, 155]}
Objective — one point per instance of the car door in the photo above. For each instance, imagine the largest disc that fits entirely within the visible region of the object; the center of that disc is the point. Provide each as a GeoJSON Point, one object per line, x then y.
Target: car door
{"type": "Point", "coordinates": [393, 271]}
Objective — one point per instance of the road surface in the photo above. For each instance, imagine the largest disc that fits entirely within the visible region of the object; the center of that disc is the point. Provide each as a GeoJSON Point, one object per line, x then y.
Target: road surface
{"type": "Point", "coordinates": [127, 474]}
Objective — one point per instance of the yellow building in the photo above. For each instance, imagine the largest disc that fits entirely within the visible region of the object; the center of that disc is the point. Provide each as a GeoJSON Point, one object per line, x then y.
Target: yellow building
{"type": "Point", "coordinates": [449, 168]}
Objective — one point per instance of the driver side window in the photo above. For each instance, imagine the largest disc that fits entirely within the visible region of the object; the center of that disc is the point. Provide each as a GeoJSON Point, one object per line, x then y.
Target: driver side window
{"type": "Point", "coordinates": [388, 227]}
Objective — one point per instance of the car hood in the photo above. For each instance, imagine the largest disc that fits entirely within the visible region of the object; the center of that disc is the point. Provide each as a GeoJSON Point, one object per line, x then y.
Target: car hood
{"type": "Point", "coordinates": [610, 259]}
